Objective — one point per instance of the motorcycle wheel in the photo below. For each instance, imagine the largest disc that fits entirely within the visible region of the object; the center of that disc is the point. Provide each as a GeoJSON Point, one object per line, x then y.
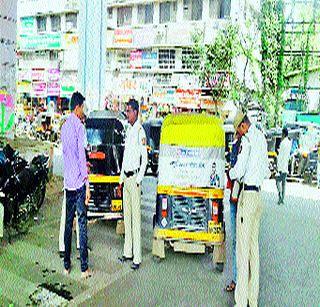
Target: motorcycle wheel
{"type": "Point", "coordinates": [39, 195]}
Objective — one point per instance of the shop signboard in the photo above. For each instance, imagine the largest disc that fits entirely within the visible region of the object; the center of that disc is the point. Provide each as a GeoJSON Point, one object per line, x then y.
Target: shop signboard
{"type": "Point", "coordinates": [39, 42]}
{"type": "Point", "coordinates": [123, 37]}
{"type": "Point", "coordinates": [67, 91]}
{"type": "Point", "coordinates": [149, 60]}
{"type": "Point", "coordinates": [27, 25]}
{"type": "Point", "coordinates": [39, 89]}
{"type": "Point", "coordinates": [164, 95]}
{"type": "Point", "coordinates": [38, 74]}
{"type": "Point", "coordinates": [23, 86]}
{"type": "Point", "coordinates": [53, 74]}
{"type": "Point", "coordinates": [136, 59]}
{"type": "Point", "coordinates": [188, 98]}
{"type": "Point", "coordinates": [53, 89]}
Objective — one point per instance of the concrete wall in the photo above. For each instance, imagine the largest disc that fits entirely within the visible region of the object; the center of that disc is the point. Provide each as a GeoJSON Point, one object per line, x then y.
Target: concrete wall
{"type": "Point", "coordinates": [8, 17]}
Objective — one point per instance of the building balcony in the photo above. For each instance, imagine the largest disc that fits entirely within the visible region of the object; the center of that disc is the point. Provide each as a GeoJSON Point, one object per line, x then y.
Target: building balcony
{"type": "Point", "coordinates": [162, 35]}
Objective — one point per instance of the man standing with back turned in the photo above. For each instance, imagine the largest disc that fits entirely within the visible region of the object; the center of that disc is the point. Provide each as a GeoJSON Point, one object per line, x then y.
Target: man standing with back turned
{"type": "Point", "coordinates": [75, 182]}
{"type": "Point", "coordinates": [251, 168]}
{"type": "Point", "coordinates": [134, 165]}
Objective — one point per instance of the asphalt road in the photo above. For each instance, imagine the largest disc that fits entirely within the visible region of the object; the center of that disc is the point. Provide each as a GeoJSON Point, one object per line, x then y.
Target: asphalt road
{"type": "Point", "coordinates": [289, 260]}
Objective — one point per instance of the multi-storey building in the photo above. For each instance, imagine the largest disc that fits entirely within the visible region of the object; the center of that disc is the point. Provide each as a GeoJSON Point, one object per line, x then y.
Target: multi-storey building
{"type": "Point", "coordinates": [147, 46]}
{"type": "Point", "coordinates": [47, 50]}
{"type": "Point", "coordinates": [148, 43]}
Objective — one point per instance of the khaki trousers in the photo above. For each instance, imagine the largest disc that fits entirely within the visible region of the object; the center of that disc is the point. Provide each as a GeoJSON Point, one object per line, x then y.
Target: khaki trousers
{"type": "Point", "coordinates": [132, 219]}
{"type": "Point", "coordinates": [63, 225]}
{"type": "Point", "coordinates": [1, 220]}
{"type": "Point", "coordinates": [248, 222]}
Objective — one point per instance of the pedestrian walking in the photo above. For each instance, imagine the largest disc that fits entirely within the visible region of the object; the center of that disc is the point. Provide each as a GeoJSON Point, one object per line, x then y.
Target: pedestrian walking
{"type": "Point", "coordinates": [75, 182]}
{"type": "Point", "coordinates": [251, 168]}
{"type": "Point", "coordinates": [134, 165]}
{"type": "Point", "coordinates": [234, 195]}
{"type": "Point", "coordinates": [283, 164]}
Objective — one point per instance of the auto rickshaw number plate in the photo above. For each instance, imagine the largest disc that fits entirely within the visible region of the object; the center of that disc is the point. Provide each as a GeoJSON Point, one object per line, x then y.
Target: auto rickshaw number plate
{"type": "Point", "coordinates": [214, 228]}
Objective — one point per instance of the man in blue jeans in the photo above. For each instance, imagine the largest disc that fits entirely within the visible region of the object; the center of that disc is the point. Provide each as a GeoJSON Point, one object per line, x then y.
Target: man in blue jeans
{"type": "Point", "coordinates": [75, 182]}
{"type": "Point", "coordinates": [233, 213]}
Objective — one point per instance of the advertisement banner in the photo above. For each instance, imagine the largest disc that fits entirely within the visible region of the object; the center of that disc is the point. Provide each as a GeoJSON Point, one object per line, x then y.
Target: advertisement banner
{"type": "Point", "coordinates": [191, 166]}
{"type": "Point", "coordinates": [53, 74]}
{"type": "Point", "coordinates": [41, 41]}
{"type": "Point", "coordinates": [24, 75]}
{"type": "Point", "coordinates": [6, 114]}
{"type": "Point", "coordinates": [53, 89]}
{"type": "Point", "coordinates": [39, 89]}
{"type": "Point", "coordinates": [123, 37]}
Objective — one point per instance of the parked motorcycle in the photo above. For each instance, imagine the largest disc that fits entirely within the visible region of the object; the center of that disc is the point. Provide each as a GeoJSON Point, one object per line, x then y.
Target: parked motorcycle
{"type": "Point", "coordinates": [22, 187]}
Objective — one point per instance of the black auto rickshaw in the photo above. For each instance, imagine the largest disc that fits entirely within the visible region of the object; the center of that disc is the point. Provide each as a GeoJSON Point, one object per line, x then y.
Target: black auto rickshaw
{"type": "Point", "coordinates": [105, 137]}
{"type": "Point", "coordinates": [152, 128]}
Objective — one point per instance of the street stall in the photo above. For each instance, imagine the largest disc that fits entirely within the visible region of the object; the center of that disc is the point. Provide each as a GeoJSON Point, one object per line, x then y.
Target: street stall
{"type": "Point", "coordinates": [189, 206]}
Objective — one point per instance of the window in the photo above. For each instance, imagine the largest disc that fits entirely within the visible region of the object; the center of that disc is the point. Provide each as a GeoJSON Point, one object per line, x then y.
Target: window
{"type": "Point", "coordinates": [54, 55]}
{"type": "Point", "coordinates": [168, 12]}
{"type": "Point", "coordinates": [109, 13]}
{"type": "Point", "coordinates": [123, 59]}
{"type": "Point", "coordinates": [163, 79]}
{"type": "Point", "coordinates": [145, 13]}
{"type": "Point", "coordinates": [55, 23]}
{"type": "Point", "coordinates": [167, 59]}
{"type": "Point", "coordinates": [124, 16]}
{"type": "Point", "coordinates": [41, 23]}
{"type": "Point", "coordinates": [192, 9]}
{"type": "Point", "coordinates": [189, 58]}
{"type": "Point", "coordinates": [219, 8]}
{"type": "Point", "coordinates": [71, 21]}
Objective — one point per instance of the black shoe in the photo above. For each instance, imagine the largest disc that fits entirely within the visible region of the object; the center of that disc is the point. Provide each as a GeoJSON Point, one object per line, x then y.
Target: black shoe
{"type": "Point", "coordinates": [61, 254]}
{"type": "Point", "coordinates": [124, 259]}
{"type": "Point", "coordinates": [135, 266]}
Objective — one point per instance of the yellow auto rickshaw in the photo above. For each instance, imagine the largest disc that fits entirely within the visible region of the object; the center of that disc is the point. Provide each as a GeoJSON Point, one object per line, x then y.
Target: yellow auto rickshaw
{"type": "Point", "coordinates": [189, 206]}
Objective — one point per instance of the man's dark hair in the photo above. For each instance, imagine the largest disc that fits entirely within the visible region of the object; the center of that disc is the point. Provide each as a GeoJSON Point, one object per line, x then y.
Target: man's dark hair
{"type": "Point", "coordinates": [246, 120]}
{"type": "Point", "coordinates": [77, 99]}
{"type": "Point", "coordinates": [285, 131]}
{"type": "Point", "coordinates": [133, 104]}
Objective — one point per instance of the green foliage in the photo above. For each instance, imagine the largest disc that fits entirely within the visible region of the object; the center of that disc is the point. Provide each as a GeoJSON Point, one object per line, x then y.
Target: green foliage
{"type": "Point", "coordinates": [272, 28]}
{"type": "Point", "coordinates": [4, 127]}
{"type": "Point", "coordinates": [216, 59]}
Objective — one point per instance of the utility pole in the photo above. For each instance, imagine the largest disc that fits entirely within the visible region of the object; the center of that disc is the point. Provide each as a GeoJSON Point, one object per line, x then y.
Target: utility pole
{"type": "Point", "coordinates": [92, 64]}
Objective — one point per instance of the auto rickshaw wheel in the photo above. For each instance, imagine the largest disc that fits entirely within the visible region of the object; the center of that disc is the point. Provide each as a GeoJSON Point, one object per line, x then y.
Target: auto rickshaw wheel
{"type": "Point", "coordinates": [156, 259]}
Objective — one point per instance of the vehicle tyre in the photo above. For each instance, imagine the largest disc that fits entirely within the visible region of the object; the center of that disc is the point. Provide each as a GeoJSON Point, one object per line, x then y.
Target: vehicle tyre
{"type": "Point", "coordinates": [39, 195]}
{"type": "Point", "coordinates": [154, 169]}
{"type": "Point", "coordinates": [154, 221]}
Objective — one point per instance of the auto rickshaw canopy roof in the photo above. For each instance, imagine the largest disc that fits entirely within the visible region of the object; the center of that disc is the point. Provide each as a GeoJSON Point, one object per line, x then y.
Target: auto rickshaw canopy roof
{"type": "Point", "coordinates": [192, 130]}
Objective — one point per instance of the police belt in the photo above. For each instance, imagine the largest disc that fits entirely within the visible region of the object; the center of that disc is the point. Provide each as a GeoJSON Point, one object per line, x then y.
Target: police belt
{"type": "Point", "coordinates": [251, 188]}
{"type": "Point", "coordinates": [131, 173]}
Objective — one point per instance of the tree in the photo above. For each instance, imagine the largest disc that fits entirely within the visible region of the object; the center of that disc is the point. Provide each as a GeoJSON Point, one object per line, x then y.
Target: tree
{"type": "Point", "coordinates": [272, 27]}
{"type": "Point", "coordinates": [213, 63]}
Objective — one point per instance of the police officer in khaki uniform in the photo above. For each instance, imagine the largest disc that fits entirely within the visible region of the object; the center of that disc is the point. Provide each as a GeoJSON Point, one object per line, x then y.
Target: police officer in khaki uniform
{"type": "Point", "coordinates": [251, 168]}
{"type": "Point", "coordinates": [134, 165]}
